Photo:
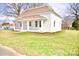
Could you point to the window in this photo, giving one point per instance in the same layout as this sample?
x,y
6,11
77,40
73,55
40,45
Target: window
x,y
36,23
30,23
54,23
39,23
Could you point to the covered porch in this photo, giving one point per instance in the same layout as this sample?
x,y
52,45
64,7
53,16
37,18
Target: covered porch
x,y
33,24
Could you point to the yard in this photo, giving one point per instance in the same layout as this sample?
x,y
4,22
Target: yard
x,y
43,44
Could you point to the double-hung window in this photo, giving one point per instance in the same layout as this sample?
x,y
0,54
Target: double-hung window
x,y
39,23
36,23
30,23
54,23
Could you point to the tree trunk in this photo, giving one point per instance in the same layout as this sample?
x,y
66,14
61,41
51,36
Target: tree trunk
x,y
76,17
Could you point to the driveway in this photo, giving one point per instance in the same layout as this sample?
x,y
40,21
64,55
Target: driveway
x,y
6,51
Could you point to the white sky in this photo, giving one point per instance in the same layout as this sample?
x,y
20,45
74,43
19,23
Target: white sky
x,y
2,17
60,8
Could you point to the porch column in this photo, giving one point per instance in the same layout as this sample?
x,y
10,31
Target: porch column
x,y
27,25
21,25
13,27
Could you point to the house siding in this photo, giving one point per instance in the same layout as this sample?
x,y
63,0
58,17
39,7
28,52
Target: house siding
x,y
46,23
58,22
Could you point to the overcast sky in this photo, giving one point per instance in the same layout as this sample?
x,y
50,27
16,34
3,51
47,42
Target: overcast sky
x,y
60,8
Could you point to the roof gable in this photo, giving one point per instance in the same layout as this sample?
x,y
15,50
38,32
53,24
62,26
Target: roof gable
x,y
38,10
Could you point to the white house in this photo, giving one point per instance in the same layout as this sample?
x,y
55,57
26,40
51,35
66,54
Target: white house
x,y
40,19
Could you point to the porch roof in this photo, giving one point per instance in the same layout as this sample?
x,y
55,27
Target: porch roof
x,y
29,18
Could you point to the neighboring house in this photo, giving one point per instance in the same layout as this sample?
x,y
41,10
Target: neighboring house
x,y
40,19
8,26
0,26
67,22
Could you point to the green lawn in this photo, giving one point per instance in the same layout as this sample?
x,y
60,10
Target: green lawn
x,y
48,44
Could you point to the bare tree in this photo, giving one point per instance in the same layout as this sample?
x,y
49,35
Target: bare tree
x,y
74,9
15,9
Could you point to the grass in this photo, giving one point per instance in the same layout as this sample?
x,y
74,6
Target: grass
x,y
65,43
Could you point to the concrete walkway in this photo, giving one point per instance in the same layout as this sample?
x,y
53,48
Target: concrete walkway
x,y
6,51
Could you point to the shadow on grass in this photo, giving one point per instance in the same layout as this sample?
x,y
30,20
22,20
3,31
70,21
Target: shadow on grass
x,y
41,33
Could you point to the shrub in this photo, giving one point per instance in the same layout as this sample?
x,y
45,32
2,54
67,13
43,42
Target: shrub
x,y
75,24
